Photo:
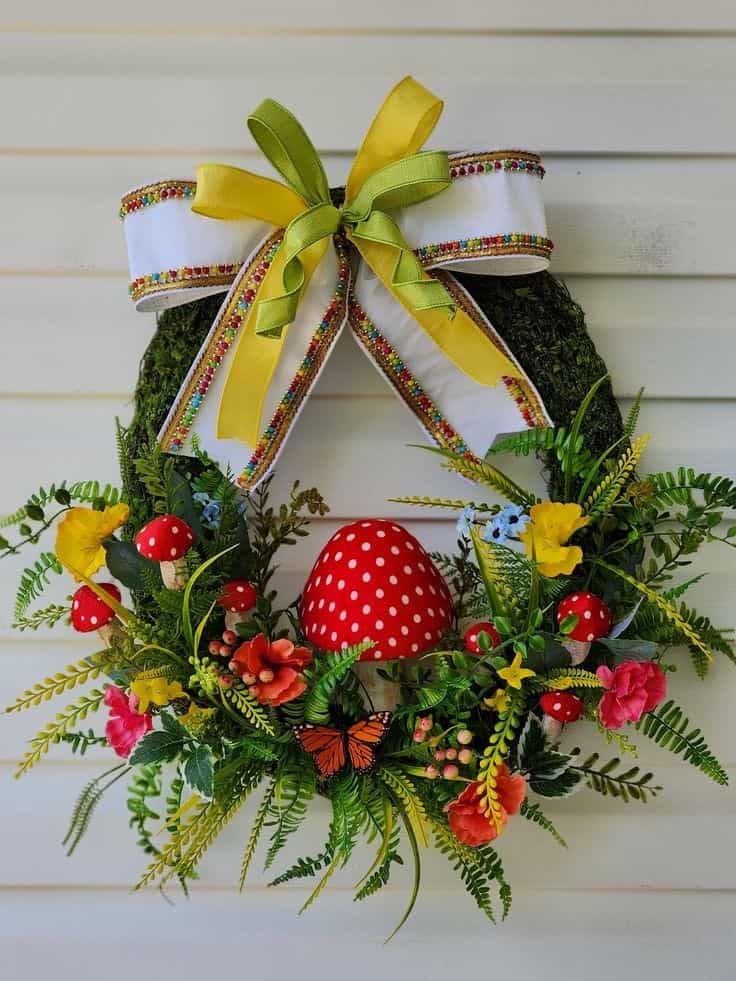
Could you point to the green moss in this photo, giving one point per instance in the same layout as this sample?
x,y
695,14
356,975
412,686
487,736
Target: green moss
x,y
545,329
536,315
180,332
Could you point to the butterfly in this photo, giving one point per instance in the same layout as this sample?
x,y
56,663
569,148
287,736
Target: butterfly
x,y
331,748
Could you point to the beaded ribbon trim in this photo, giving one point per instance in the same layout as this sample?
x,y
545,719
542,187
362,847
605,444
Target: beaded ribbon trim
x,y
407,386
186,277
142,197
222,337
521,389
468,164
275,433
516,243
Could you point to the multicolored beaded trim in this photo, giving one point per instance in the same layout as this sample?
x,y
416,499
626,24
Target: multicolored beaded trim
x,y
187,277
488,245
322,339
522,391
142,197
404,382
465,165
223,335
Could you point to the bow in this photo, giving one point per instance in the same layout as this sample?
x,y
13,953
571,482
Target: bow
x,y
262,342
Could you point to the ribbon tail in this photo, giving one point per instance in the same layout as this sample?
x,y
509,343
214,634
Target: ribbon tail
x,y
459,413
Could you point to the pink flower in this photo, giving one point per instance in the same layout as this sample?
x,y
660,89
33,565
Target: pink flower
x,y
126,724
633,688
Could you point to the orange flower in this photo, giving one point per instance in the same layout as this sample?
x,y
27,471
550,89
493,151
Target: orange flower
x,y
272,671
470,824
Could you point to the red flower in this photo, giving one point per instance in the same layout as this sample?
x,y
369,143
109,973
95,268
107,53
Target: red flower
x,y
126,724
634,687
468,822
273,671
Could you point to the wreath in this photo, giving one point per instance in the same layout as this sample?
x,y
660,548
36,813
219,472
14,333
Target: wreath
x,y
429,698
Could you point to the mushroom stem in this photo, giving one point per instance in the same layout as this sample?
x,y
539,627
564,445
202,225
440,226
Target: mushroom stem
x,y
232,619
110,632
175,573
552,728
385,695
577,649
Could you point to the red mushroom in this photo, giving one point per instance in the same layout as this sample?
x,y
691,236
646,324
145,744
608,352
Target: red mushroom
x,y
374,581
559,707
166,540
471,636
238,597
594,622
90,612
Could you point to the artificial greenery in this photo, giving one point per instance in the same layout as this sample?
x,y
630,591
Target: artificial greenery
x,y
208,740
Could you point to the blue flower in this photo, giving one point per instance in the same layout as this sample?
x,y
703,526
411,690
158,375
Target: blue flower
x,y
516,519
497,531
211,510
465,522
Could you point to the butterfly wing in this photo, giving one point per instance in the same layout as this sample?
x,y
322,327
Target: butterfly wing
x,y
363,737
326,747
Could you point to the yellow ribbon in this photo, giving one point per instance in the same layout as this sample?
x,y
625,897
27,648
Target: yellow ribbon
x,y
388,172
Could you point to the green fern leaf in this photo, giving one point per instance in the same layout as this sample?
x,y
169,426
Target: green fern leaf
x,y
34,580
668,727
533,813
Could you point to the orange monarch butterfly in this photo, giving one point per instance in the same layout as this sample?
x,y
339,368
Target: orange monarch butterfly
x,y
331,748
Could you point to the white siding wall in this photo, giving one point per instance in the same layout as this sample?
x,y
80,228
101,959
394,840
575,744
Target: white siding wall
x,y
632,105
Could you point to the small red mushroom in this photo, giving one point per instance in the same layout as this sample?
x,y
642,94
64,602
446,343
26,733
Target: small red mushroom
x,y
594,621
238,597
166,540
89,612
471,636
559,707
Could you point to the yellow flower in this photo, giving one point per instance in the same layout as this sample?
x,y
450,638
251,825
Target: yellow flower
x,y
498,702
158,691
80,535
514,674
552,525
196,718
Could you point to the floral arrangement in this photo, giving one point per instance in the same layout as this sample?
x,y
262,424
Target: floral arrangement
x,y
427,698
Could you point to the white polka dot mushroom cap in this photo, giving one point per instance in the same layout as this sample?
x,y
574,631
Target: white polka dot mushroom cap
x,y
374,581
164,539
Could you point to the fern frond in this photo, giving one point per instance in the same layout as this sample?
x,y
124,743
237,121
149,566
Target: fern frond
x,y
295,787
666,608
533,813
323,680
528,441
304,868
677,487
74,674
404,792
478,868
34,580
182,834
54,731
86,804
255,832
606,494
83,491
506,575
668,727
632,418
49,616
387,857
560,679
630,785
495,753
249,708
489,476
451,504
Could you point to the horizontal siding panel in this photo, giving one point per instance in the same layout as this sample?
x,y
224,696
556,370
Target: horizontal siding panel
x,y
607,936
652,333
649,840
642,87
620,216
230,16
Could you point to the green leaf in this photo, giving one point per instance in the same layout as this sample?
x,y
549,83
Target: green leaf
x,y
34,512
161,745
126,563
199,770
630,650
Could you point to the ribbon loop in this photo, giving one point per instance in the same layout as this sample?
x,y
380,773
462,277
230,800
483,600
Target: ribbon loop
x,y
286,145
